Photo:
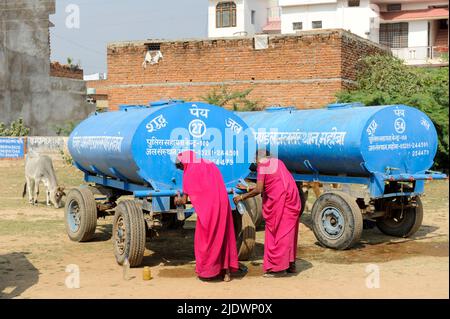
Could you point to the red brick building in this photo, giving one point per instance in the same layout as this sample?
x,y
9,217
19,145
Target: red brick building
x,y
305,70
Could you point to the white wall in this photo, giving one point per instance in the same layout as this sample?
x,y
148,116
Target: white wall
x,y
260,7
333,15
418,34
214,32
244,24
306,14
355,19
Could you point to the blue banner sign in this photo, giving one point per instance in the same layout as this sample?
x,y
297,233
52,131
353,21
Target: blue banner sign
x,y
12,147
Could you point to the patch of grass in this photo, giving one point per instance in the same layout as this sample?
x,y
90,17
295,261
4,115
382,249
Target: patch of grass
x,y
12,175
436,195
30,228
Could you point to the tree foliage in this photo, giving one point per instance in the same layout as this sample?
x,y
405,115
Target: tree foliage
x,y
66,129
17,128
238,100
384,80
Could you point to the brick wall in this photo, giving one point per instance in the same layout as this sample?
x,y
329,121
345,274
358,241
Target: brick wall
x,y
65,71
305,70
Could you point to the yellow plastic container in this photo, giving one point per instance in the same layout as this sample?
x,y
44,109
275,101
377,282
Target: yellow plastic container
x,y
147,274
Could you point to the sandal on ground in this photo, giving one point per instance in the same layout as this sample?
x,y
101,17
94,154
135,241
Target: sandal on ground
x,y
275,274
212,279
292,269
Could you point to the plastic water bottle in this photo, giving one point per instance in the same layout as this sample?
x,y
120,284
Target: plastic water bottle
x,y
241,207
126,269
180,213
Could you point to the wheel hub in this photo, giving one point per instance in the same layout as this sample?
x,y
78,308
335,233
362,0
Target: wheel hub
x,y
74,216
121,235
332,222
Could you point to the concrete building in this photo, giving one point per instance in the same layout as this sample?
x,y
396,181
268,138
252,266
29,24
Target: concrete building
x,y
27,88
415,30
240,17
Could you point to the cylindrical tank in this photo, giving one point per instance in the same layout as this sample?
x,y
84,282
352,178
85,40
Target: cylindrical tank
x,y
344,139
139,144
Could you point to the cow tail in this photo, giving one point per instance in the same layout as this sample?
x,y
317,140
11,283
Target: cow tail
x,y
24,190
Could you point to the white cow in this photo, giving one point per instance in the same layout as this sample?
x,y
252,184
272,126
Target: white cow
x,y
39,168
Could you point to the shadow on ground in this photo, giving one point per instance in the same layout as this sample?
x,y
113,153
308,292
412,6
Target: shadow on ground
x,y
103,233
17,274
375,246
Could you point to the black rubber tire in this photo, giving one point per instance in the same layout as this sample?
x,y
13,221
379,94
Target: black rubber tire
x,y
245,232
254,208
407,226
303,199
351,213
132,216
85,200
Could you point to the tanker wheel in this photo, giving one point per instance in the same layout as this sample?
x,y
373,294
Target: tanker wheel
x,y
254,208
400,223
129,233
245,232
80,214
337,220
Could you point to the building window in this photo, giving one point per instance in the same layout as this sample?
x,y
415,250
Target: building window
x,y
297,26
353,3
394,7
253,16
394,35
226,15
317,24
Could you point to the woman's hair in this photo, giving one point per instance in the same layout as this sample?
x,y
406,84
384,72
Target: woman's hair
x,y
262,152
178,164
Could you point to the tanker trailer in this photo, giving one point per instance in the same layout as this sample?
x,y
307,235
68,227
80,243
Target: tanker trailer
x,y
379,156
132,152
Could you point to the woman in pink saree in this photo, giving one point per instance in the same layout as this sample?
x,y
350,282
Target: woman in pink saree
x,y
281,211
214,241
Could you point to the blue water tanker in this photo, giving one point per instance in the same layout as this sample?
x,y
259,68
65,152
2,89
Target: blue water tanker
x,y
132,152
377,159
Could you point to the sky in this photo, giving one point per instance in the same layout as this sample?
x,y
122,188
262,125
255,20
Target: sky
x,y
100,22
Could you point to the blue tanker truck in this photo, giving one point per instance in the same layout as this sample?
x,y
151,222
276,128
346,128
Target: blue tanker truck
x,y
379,157
385,151
132,152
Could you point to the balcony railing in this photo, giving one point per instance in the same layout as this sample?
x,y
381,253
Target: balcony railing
x,y
430,54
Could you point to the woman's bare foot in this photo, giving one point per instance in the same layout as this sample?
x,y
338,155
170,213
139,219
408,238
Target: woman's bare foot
x,y
227,276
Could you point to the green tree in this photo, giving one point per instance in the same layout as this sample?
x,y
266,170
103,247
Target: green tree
x,y
238,100
384,80
17,128
65,129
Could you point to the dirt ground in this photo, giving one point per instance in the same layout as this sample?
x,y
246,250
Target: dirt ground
x,y
35,251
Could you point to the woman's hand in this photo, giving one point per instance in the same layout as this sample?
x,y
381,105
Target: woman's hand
x,y
237,199
247,188
180,200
